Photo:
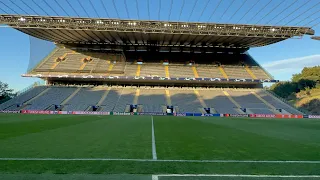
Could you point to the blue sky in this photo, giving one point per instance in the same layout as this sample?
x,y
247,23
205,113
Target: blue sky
x,y
281,59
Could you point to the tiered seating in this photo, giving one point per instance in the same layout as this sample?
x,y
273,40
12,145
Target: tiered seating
x,y
48,64
101,65
54,96
175,70
22,98
130,70
236,72
180,71
209,71
259,73
209,65
152,100
72,63
186,100
219,101
118,68
277,103
152,70
95,59
111,100
126,98
234,65
85,98
247,100
230,65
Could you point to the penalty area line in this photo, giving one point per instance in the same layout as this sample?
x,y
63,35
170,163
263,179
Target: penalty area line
x,y
159,160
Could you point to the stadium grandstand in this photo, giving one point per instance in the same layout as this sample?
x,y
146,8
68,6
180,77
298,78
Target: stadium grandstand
x,y
127,87
165,66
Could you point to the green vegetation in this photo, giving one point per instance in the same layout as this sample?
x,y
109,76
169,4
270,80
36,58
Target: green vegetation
x,y
312,73
5,92
303,91
180,138
309,100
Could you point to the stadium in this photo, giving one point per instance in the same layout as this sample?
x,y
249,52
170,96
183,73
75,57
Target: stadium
x,y
125,98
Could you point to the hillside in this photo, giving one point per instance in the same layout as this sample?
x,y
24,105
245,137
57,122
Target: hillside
x,y
303,91
309,100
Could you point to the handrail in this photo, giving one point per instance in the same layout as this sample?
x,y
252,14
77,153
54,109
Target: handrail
x,y
288,103
5,100
38,83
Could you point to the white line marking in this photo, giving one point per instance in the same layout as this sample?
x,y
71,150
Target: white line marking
x,y
154,151
159,160
155,177
236,175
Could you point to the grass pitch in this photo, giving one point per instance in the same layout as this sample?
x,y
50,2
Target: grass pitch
x,y
123,145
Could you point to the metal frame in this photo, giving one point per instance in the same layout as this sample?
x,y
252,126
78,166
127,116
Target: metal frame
x,y
124,47
315,37
45,22
82,25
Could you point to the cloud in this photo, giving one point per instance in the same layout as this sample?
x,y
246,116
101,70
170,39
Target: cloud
x,y
283,69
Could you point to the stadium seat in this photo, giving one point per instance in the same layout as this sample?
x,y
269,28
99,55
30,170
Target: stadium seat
x,y
118,99
122,64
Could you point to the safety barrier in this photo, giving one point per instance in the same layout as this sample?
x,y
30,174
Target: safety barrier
x,y
277,116
10,112
314,116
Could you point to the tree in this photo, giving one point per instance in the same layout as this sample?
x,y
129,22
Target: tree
x,y
307,79
5,92
306,83
312,73
285,89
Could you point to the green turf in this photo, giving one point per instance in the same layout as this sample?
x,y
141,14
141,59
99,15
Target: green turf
x,y
237,139
126,167
77,137
73,177
70,136
235,178
131,177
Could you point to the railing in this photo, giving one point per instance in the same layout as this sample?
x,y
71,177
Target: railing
x,y
303,111
4,100
38,83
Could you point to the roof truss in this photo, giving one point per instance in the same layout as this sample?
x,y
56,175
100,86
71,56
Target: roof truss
x,y
133,29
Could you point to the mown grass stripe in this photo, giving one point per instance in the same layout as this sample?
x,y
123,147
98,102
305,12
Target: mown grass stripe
x,y
160,160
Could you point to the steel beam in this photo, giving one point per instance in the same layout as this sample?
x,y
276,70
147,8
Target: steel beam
x,y
94,24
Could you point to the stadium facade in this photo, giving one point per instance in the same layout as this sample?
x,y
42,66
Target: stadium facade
x,y
113,65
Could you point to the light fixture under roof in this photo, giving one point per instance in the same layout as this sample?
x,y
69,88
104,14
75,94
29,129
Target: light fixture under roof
x,y
99,22
22,19
132,23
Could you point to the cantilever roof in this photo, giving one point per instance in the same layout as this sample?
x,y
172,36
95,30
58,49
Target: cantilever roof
x,y
67,30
